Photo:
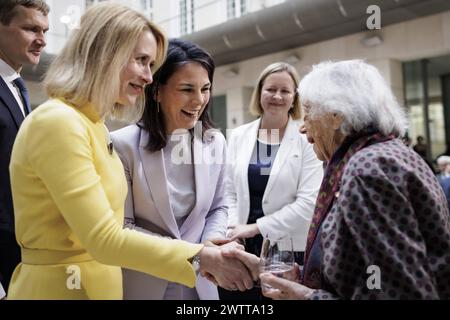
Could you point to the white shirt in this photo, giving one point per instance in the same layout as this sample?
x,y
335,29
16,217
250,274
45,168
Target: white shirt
x,y
8,75
180,175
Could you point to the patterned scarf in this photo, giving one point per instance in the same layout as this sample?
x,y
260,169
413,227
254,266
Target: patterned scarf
x,y
329,190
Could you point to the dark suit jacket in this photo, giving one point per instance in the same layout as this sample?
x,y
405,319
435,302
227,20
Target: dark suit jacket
x,y
10,119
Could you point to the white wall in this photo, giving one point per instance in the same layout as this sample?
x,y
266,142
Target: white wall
x,y
58,32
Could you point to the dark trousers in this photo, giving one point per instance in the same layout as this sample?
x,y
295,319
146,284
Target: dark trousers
x,y
9,257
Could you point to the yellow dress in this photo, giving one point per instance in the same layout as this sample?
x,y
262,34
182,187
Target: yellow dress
x,y
69,193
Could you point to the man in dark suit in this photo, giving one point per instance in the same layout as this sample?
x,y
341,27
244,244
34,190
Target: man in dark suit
x,y
23,24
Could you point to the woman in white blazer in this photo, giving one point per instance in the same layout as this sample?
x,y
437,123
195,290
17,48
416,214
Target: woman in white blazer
x,y
175,172
274,175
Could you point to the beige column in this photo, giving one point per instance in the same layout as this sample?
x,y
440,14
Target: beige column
x,y
238,100
391,70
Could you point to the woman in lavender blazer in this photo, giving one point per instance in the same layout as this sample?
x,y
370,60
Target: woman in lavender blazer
x,y
175,172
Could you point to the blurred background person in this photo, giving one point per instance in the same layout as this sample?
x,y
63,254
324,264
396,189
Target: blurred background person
x,y
173,190
23,24
421,148
443,163
381,216
443,176
406,140
274,174
67,181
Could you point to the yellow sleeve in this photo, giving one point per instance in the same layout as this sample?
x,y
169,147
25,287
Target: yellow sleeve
x,y
59,149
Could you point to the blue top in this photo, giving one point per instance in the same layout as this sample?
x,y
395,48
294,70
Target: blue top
x,y
259,169
445,184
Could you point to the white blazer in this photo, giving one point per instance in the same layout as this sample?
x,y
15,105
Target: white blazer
x,y
292,188
148,210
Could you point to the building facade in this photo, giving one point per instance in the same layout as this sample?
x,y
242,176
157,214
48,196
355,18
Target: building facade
x,y
411,48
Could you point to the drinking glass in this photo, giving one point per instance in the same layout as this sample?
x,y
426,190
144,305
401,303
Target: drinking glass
x,y
277,257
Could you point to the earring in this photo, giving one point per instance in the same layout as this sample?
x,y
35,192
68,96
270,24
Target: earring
x,y
157,106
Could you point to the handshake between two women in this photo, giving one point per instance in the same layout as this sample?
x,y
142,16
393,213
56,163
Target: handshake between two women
x,y
227,265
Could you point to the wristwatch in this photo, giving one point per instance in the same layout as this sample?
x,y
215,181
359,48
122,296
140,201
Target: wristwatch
x,y
196,263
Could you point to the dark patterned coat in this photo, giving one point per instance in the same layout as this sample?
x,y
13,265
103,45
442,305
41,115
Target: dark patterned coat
x,y
390,213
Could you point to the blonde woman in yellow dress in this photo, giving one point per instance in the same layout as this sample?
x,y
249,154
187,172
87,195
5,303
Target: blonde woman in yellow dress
x,y
68,183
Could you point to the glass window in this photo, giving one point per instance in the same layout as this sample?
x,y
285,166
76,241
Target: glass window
x,y
436,131
236,8
183,17
192,16
187,16
243,7
145,5
231,9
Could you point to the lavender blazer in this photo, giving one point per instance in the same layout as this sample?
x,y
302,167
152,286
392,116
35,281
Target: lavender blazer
x,y
148,210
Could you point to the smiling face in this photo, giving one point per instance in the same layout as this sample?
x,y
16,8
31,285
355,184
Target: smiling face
x,y
323,133
22,40
137,72
277,94
184,97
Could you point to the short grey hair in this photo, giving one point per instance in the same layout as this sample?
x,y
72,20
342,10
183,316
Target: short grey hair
x,y
443,160
355,90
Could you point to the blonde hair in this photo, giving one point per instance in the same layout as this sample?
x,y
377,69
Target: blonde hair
x,y
88,68
255,102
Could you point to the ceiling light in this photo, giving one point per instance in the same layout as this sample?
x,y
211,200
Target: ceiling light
x,y
231,73
372,41
65,19
292,59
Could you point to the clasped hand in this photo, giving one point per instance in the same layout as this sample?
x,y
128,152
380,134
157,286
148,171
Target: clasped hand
x,y
226,264
242,231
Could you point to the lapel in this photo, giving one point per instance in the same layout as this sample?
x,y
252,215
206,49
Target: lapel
x,y
202,175
10,103
244,152
155,174
286,147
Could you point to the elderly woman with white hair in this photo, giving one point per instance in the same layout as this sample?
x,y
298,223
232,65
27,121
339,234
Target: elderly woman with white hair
x,y
381,227
443,163
443,177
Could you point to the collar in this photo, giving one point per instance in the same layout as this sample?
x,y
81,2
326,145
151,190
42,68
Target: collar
x,y
88,110
7,73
